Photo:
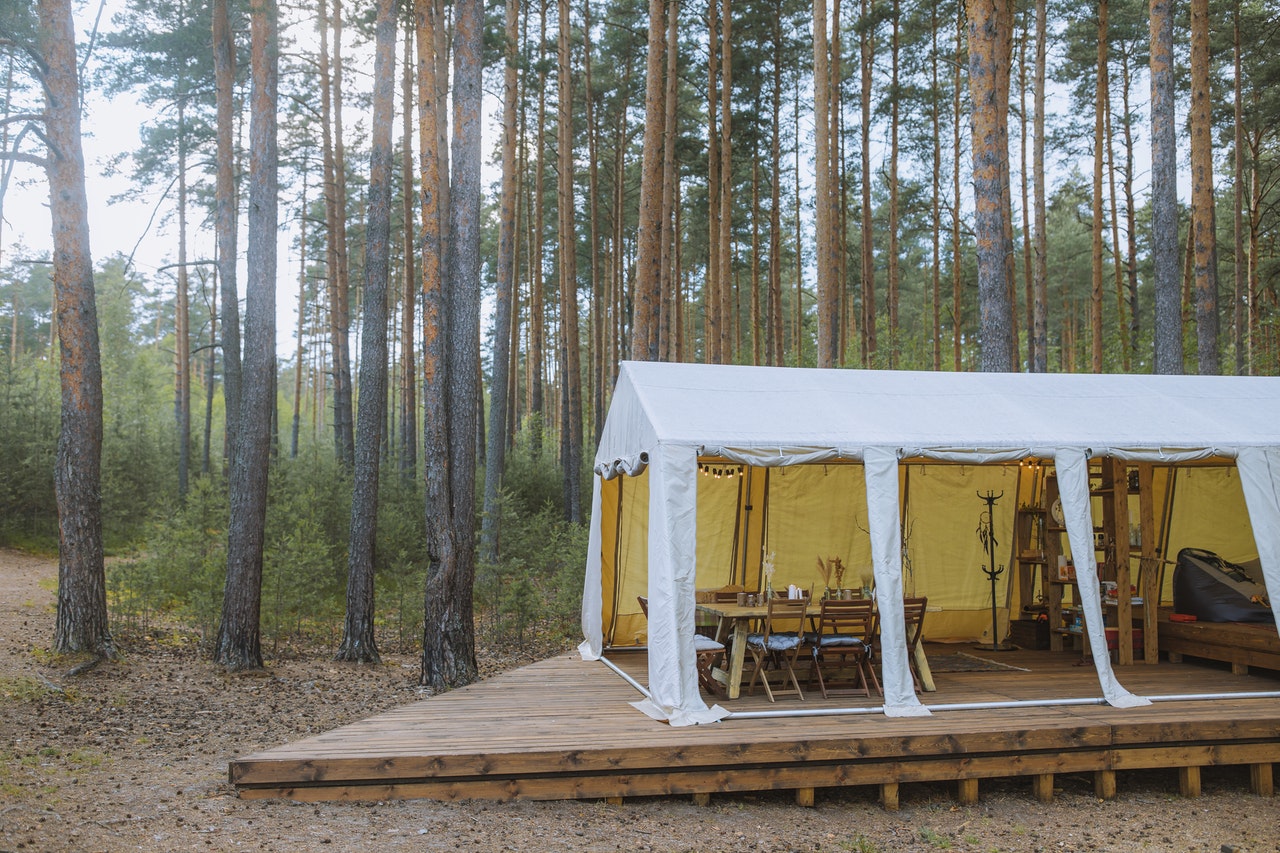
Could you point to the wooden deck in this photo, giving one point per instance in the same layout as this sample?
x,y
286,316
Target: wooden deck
x,y
563,729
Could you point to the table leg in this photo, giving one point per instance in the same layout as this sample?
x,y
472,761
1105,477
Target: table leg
x,y
922,668
736,657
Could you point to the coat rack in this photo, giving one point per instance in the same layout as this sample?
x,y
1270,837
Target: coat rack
x,y
987,535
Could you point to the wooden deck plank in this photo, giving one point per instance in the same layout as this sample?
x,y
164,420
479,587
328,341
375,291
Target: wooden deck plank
x,y
564,728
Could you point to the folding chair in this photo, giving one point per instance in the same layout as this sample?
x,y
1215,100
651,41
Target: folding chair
x,y
846,634
774,648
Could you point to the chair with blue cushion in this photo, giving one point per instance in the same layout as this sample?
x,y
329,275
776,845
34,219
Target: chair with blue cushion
x,y
777,646
843,645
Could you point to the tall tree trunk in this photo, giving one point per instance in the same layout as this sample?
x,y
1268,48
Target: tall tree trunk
x,y
409,296
1164,192
648,295
211,370
1024,180
182,319
776,330
81,624
724,252
957,269
537,298
1131,218
225,217
1240,298
597,280
828,345
894,105
1117,252
302,319
1040,267
1202,200
238,645
359,643
711,292
1099,158
448,653
440,545
866,44
343,398
497,451
935,112
570,359
668,285
990,45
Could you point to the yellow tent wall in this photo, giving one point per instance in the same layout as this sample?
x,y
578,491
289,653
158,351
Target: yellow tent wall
x,y
804,512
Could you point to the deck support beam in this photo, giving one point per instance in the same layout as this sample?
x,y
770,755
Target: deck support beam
x,y
702,799
889,796
804,797
1042,787
1261,781
1104,784
1189,781
967,792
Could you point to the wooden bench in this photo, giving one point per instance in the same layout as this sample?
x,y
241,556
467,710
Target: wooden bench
x,y
1241,644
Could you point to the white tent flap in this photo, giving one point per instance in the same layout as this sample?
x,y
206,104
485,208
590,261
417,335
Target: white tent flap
x,y
1073,484
886,557
1260,479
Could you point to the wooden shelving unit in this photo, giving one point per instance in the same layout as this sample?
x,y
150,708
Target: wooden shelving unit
x,y
1039,542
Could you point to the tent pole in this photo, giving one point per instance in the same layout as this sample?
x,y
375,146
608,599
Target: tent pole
x,y
986,706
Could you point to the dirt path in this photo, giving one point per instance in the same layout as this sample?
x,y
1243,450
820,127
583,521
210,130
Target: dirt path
x,y
133,756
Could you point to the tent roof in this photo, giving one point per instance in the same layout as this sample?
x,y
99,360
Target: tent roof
x,y
803,409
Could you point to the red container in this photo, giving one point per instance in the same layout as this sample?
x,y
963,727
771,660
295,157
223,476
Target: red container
x,y
1114,633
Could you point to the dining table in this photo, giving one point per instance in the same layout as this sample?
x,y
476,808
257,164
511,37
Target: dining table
x,y
734,621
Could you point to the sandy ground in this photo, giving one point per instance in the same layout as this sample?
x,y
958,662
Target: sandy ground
x,y
132,755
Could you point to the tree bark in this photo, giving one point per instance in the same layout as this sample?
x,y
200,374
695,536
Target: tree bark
x,y
724,241
1240,299
238,645
990,45
448,649
1040,267
570,358
648,295
957,269
776,331
81,624
504,294
894,104
1099,159
828,344
866,43
225,216
1164,193
409,298
359,643
668,285
343,398
300,352
1202,199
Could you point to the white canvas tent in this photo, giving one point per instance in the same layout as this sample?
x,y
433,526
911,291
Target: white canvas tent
x,y
663,417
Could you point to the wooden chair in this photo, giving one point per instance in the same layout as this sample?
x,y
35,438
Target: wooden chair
x,y
845,638
708,652
913,610
778,645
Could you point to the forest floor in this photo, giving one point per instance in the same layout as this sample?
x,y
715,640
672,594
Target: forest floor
x,y
132,755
